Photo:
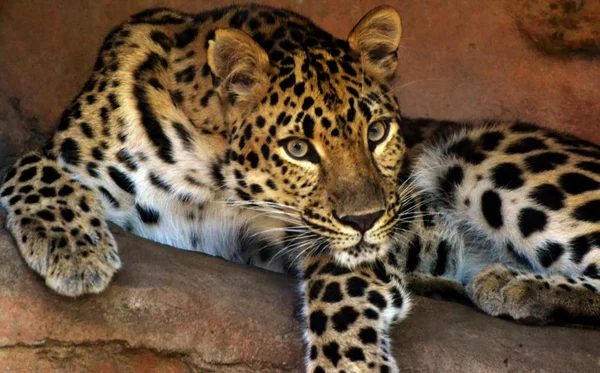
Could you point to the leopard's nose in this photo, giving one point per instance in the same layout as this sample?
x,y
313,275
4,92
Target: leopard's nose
x,y
361,223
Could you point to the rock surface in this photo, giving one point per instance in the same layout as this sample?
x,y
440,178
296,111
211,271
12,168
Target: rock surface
x,y
560,26
175,311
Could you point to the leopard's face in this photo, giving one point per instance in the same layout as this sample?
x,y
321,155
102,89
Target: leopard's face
x,y
315,132
331,152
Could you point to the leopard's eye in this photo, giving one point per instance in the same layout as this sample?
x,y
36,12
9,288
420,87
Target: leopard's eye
x,y
297,148
377,132
300,149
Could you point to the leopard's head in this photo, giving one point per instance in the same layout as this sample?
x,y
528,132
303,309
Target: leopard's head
x,y
316,128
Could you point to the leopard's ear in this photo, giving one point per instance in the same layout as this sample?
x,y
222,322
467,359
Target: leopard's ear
x,y
377,37
240,63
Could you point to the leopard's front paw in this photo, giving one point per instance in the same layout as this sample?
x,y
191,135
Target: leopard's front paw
x,y
74,259
83,264
59,227
62,235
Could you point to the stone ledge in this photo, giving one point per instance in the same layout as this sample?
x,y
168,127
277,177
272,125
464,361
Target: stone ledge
x,y
175,311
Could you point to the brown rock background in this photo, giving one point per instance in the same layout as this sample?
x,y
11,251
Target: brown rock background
x,y
560,25
173,311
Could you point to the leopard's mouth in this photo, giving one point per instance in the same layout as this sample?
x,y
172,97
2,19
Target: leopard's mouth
x,y
350,254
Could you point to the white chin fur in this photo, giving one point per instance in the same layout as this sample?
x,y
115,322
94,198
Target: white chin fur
x,y
368,255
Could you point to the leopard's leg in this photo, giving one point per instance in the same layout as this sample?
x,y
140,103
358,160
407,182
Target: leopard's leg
x,y
59,227
348,313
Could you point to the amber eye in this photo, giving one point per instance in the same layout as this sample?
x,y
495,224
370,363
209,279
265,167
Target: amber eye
x,y
297,148
377,132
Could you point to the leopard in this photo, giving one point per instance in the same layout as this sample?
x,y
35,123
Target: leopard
x,y
249,133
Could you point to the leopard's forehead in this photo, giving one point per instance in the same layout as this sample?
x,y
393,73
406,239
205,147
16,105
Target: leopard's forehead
x,y
295,34
312,62
331,110
318,95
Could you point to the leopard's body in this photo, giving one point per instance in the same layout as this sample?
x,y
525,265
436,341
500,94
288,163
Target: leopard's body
x,y
282,146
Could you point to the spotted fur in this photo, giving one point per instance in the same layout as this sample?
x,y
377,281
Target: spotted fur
x,y
188,133
514,218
